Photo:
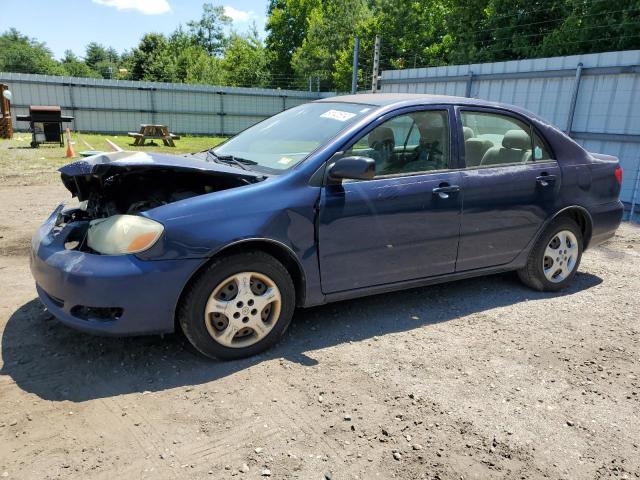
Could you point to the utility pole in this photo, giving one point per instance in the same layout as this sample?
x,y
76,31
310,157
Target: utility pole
x,y
110,66
376,65
354,70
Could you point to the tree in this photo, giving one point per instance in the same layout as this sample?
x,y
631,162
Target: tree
x,y
245,62
192,62
497,30
410,31
286,29
195,65
180,40
125,65
588,27
314,38
112,55
94,54
74,67
151,60
493,30
21,54
104,61
208,32
331,25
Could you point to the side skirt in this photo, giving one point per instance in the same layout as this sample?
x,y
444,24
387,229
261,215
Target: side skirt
x,y
420,282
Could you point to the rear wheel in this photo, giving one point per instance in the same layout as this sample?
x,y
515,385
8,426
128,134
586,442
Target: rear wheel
x,y
554,260
238,306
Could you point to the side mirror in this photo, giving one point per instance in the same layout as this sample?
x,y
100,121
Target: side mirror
x,y
353,168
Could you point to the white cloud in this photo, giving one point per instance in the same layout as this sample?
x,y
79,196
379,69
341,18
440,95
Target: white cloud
x,y
148,7
239,15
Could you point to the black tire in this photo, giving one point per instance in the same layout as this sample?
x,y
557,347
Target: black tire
x,y
192,307
533,275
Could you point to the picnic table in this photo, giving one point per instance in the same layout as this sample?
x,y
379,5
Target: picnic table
x,y
149,132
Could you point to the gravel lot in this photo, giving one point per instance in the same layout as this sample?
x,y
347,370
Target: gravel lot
x,y
475,379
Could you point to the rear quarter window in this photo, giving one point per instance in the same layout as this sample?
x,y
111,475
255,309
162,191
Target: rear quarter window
x,y
541,150
495,138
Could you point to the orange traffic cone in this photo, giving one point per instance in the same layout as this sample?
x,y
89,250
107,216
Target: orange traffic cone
x,y
70,152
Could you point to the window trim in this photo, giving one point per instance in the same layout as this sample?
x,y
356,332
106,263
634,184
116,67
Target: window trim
x,y
459,109
454,162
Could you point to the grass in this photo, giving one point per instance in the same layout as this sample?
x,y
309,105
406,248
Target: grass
x,y
22,165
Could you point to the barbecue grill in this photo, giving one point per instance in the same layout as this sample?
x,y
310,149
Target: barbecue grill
x,y
45,124
6,129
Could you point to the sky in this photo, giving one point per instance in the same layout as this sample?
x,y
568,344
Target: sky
x,y
120,24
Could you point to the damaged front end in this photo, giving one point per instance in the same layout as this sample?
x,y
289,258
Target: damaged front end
x,y
116,188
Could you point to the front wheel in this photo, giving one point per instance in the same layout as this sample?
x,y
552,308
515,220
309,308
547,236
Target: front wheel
x,y
238,306
554,260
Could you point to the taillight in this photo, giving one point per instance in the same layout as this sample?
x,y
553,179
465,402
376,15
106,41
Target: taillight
x,y
619,175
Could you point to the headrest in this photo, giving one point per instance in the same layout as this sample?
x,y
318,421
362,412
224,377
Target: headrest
x,y
477,141
381,135
431,134
517,139
468,133
429,119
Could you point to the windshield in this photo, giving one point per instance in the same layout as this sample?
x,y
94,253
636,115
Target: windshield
x,y
285,139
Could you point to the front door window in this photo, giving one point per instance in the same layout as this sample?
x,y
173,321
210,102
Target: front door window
x,y
412,143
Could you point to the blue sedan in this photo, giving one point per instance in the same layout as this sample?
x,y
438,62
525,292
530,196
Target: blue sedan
x,y
335,199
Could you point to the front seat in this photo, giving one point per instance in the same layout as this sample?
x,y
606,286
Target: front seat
x,y
383,142
431,153
516,148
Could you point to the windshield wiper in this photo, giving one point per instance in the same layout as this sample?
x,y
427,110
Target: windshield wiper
x,y
231,159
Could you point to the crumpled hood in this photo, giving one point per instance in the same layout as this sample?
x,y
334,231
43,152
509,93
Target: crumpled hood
x,y
78,174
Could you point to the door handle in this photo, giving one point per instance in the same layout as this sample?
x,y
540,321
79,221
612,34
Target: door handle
x,y
443,191
545,180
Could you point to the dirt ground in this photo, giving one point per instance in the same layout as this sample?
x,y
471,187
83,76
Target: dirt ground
x,y
475,379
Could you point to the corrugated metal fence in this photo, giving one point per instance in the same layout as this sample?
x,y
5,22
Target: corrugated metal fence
x,y
595,98
116,106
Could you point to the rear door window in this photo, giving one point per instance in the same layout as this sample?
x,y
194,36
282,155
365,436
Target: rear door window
x,y
493,139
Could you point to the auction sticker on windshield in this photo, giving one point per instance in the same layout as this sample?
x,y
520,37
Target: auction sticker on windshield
x,y
339,115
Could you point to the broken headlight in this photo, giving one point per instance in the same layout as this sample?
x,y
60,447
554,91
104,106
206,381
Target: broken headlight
x,y
121,234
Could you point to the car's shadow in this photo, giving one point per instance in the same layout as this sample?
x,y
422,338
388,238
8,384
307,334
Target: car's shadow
x,y
56,363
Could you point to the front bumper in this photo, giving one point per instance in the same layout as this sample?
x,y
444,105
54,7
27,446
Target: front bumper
x,y
140,295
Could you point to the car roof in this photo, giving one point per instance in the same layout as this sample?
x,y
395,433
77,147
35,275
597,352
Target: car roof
x,y
385,99
411,99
